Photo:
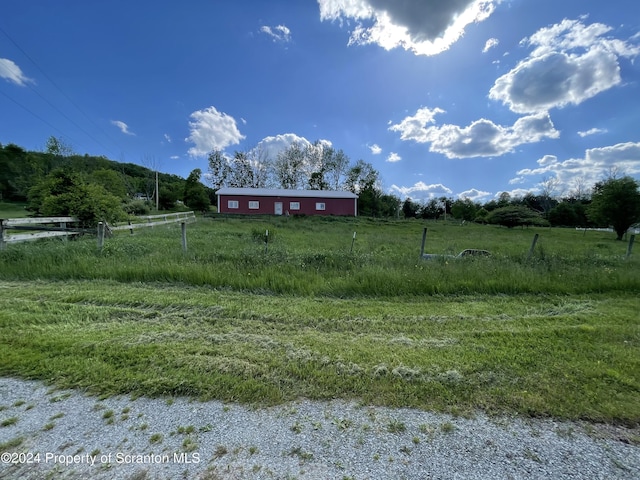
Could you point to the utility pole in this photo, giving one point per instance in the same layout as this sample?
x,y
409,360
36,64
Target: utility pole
x,y
157,193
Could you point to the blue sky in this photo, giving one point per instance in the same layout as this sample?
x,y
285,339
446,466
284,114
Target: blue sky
x,y
466,98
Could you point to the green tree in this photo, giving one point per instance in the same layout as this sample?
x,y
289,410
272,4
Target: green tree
x,y
464,209
514,216
616,202
410,208
195,195
64,193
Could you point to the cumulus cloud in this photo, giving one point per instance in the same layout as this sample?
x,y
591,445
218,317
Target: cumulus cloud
x,y
474,195
375,149
279,33
273,145
211,130
571,62
482,138
491,43
394,157
421,191
12,73
596,165
592,131
423,27
124,128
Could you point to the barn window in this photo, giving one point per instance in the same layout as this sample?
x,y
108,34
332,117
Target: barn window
x,y
320,206
254,205
232,203
294,205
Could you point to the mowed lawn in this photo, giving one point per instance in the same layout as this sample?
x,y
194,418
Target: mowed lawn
x,y
556,333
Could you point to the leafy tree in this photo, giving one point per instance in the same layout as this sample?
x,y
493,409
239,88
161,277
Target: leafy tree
x,y
410,208
110,180
195,195
514,216
616,202
288,167
432,209
64,193
464,209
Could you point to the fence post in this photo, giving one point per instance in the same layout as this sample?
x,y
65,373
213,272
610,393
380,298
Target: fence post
x,y
352,241
100,235
424,239
130,228
533,245
183,226
2,242
63,225
266,241
630,246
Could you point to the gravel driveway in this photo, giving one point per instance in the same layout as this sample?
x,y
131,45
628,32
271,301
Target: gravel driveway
x,y
66,434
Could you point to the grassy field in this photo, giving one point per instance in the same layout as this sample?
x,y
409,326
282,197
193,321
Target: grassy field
x,y
556,334
12,210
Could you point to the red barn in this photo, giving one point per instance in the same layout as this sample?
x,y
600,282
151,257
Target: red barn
x,y
282,202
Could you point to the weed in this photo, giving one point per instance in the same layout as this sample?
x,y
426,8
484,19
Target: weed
x,y
155,438
57,416
406,450
11,444
447,427
48,426
9,421
253,450
301,454
220,451
186,430
396,426
19,403
189,445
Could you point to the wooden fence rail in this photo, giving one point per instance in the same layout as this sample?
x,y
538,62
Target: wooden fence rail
x,y
41,227
47,227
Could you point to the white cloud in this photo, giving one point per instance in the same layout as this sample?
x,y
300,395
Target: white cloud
x,y
278,33
375,149
596,165
482,138
474,195
423,27
421,191
211,130
517,181
174,157
570,63
12,73
491,43
124,128
394,157
167,137
276,144
592,131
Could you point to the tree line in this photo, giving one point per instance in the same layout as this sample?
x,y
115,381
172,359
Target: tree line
x,y
314,166
613,202
58,182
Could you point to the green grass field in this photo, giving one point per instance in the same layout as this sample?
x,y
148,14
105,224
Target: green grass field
x,y
557,334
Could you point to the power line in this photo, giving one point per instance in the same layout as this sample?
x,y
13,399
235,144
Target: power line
x,y
64,95
34,114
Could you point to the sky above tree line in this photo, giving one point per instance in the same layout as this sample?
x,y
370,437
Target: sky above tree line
x,y
463,99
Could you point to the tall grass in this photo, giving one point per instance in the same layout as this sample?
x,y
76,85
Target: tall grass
x,y
311,256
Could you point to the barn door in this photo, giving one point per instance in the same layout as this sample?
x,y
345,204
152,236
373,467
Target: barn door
x,y
278,208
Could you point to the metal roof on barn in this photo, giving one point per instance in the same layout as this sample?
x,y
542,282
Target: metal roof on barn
x,y
279,192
